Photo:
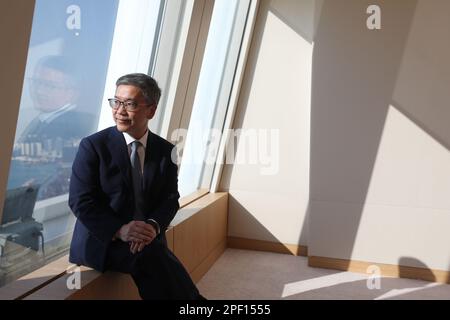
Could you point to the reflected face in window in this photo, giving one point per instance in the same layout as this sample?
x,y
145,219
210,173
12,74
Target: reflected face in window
x,y
132,122
51,89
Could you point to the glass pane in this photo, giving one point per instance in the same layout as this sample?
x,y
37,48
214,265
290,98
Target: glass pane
x,y
201,143
132,47
70,55
67,61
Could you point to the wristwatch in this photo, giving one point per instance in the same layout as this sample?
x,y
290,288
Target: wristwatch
x,y
155,225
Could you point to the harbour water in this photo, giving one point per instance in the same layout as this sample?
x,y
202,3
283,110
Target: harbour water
x,y
22,172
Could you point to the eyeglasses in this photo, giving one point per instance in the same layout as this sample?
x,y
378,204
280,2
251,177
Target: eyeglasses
x,y
47,85
128,105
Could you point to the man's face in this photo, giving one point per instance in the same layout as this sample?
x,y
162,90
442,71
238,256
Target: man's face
x,y
132,122
51,89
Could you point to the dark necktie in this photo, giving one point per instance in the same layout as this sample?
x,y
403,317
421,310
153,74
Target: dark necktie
x,y
136,174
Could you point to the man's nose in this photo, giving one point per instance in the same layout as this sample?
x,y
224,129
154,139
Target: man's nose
x,y
121,109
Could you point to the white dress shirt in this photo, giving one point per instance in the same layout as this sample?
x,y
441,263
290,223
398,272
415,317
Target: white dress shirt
x,y
141,150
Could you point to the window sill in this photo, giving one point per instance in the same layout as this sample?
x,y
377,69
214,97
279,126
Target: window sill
x,y
51,208
35,280
52,274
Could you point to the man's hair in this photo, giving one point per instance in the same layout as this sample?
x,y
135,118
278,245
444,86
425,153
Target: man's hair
x,y
149,87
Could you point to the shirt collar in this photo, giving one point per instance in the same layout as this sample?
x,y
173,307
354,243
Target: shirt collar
x,y
129,139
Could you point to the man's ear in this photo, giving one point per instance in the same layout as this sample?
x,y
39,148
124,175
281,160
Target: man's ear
x,y
151,112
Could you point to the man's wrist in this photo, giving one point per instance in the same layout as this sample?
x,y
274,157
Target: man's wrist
x,y
155,225
116,235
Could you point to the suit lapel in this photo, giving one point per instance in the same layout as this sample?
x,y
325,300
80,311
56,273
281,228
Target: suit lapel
x,y
119,151
152,159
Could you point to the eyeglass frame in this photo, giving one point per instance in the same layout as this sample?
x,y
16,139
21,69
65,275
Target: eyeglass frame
x,y
36,83
134,105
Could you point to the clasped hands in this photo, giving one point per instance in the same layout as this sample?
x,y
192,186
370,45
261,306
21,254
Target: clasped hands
x,y
138,234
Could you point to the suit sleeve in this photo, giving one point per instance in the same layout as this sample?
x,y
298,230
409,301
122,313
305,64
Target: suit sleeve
x,y
86,198
165,213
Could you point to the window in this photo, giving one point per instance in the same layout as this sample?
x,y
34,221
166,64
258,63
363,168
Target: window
x,y
199,145
67,61
78,48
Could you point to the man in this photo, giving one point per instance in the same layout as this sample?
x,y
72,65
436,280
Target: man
x,y
55,132
54,92
124,194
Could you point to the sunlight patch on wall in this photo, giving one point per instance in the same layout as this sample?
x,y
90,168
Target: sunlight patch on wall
x,y
412,169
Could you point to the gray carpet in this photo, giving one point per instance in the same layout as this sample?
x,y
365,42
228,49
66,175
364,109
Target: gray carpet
x,y
250,275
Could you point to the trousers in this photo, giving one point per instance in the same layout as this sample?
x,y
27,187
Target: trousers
x,y
156,271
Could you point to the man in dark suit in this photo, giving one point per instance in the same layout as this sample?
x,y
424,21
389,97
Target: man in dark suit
x,y
124,193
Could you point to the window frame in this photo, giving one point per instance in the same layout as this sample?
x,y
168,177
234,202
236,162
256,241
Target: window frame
x,y
181,81
22,17
19,17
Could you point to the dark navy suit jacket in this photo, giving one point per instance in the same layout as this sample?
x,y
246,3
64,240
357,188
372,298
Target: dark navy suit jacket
x,y
101,192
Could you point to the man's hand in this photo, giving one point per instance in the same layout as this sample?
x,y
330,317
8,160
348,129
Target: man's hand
x,y
136,231
139,246
136,247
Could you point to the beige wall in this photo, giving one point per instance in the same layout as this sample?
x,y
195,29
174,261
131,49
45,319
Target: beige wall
x,y
375,168
380,174
15,29
276,94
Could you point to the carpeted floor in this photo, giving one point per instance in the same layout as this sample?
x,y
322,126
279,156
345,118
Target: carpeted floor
x,y
249,275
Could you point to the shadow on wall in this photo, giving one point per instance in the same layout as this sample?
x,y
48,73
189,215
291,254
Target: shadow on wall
x,y
408,269
357,77
300,16
421,91
356,85
355,72
297,20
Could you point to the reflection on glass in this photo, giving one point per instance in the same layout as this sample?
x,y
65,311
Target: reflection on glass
x,y
50,140
65,76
